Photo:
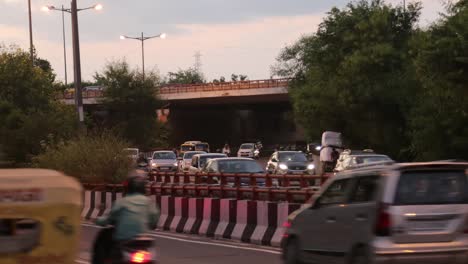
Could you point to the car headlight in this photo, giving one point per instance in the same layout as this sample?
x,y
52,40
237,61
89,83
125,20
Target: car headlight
x,y
283,166
310,166
153,164
176,164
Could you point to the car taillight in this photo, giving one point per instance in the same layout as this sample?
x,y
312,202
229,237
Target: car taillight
x,y
286,226
140,257
383,222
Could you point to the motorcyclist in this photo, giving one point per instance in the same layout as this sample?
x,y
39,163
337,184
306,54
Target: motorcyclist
x,y
131,216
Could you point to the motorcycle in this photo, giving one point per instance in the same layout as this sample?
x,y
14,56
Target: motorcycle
x,y
141,249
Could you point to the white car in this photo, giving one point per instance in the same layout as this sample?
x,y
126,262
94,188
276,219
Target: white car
x,y
401,213
186,160
246,150
164,161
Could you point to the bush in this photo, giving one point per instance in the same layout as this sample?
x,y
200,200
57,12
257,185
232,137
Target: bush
x,y
90,158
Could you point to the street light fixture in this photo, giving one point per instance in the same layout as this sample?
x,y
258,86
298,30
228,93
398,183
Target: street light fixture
x,y
142,39
73,10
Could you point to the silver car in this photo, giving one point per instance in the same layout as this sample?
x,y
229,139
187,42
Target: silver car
x,y
403,213
186,160
163,161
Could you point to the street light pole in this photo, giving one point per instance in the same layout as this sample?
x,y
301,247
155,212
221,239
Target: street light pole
x,y
31,45
77,62
143,54
64,46
142,40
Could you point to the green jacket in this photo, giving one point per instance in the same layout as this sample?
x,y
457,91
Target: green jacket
x,y
132,215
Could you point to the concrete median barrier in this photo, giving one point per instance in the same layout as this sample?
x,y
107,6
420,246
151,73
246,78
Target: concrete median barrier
x,y
257,222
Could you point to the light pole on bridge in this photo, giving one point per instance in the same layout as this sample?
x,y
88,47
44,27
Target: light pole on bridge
x,y
142,40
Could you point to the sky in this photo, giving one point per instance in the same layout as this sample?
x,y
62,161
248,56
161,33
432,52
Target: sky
x,y
232,36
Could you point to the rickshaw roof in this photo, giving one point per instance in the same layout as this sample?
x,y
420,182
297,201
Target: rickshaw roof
x,y
56,186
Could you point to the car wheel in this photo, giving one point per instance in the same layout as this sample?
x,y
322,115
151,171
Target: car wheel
x,y
292,252
360,256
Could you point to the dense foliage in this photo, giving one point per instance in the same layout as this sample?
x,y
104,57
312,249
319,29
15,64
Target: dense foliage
x,y
28,109
370,73
131,101
94,158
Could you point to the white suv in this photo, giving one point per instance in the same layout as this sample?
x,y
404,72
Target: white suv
x,y
403,213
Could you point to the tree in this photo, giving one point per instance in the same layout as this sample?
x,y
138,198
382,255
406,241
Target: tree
x,y
188,76
238,77
354,75
439,121
131,101
28,109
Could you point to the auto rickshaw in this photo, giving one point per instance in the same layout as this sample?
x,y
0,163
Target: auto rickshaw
x,y
39,216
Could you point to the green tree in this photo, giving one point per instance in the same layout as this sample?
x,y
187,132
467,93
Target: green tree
x,y
131,101
439,120
188,76
28,109
354,75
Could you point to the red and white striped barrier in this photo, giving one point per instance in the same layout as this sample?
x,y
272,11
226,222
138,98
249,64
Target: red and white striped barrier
x,y
258,222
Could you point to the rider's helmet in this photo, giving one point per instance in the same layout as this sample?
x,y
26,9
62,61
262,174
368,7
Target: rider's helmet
x,y
136,184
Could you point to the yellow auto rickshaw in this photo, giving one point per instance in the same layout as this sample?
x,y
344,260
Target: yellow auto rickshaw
x,y
39,217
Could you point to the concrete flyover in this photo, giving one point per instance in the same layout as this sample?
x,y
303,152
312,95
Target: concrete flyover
x,y
230,92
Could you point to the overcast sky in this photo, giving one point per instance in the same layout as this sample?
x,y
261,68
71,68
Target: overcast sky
x,y
233,36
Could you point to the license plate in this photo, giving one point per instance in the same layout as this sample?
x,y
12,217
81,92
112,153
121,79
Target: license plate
x,y
164,168
427,226
297,172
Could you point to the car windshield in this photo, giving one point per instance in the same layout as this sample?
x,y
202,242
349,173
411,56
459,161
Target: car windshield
x,y
164,155
247,146
292,156
189,155
432,187
371,159
201,146
204,159
131,152
239,166
186,148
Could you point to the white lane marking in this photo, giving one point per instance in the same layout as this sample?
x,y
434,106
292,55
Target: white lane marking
x,y
155,234
81,261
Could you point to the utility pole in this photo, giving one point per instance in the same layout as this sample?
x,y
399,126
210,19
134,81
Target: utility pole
x,y
143,54
64,46
31,45
77,62
198,63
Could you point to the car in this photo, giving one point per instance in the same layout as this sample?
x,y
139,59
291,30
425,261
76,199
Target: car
x,y
235,165
163,161
289,162
95,88
400,213
199,161
186,160
132,153
248,150
350,159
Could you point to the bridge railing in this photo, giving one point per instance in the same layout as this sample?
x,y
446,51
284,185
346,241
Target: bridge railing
x,y
291,188
240,186
190,88
224,86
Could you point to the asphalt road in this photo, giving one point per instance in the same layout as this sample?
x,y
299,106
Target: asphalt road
x,y
187,249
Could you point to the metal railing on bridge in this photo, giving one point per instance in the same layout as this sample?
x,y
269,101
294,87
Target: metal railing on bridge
x,y
202,87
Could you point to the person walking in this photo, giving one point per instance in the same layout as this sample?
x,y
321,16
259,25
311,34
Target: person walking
x,y
226,150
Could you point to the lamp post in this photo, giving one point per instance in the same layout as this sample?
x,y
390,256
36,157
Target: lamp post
x,y
31,46
142,40
73,10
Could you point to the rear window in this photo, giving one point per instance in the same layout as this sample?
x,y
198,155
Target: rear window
x,y
432,187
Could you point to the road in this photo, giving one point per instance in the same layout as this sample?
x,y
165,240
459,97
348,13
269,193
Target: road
x,y
187,249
